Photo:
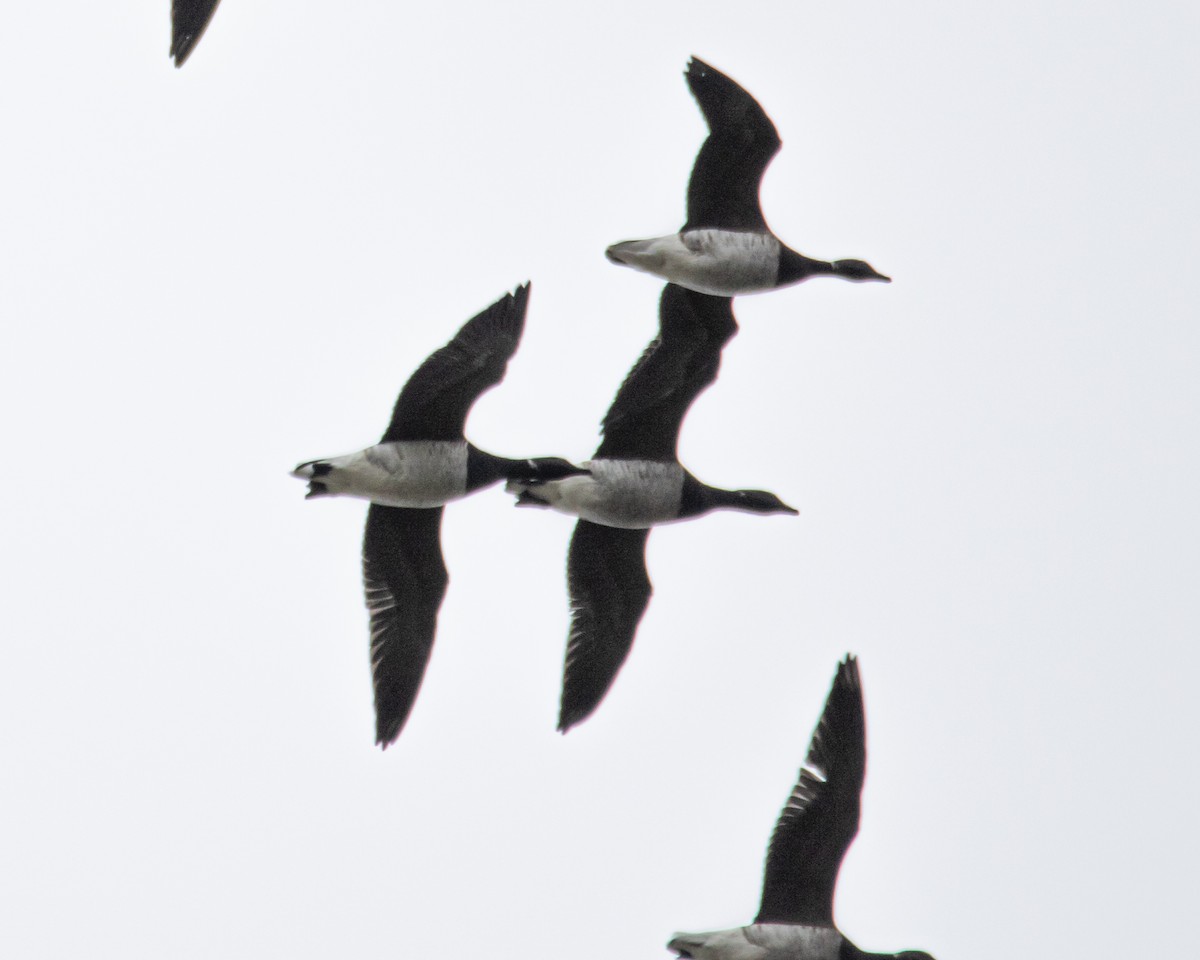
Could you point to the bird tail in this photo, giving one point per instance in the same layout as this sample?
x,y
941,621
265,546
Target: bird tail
x,y
688,945
526,497
311,471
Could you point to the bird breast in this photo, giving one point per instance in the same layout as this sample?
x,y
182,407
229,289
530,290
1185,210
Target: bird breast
x,y
406,473
722,263
762,941
633,494
795,940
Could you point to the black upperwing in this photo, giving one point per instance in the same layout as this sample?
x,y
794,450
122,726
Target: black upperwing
x,y
405,580
820,818
645,417
437,398
723,190
189,20
610,589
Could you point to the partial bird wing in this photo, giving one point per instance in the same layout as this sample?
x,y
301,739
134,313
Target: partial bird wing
x,y
821,816
723,191
189,20
609,587
437,398
644,419
405,580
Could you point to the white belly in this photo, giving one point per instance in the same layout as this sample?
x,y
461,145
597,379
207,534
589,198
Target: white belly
x,y
723,263
407,473
633,494
762,941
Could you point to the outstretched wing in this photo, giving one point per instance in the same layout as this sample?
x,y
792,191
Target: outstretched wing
x,y
644,419
723,191
821,816
609,588
434,403
405,580
189,20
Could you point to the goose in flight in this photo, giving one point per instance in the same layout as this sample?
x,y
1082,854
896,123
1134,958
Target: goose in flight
x,y
726,248
422,463
633,482
818,822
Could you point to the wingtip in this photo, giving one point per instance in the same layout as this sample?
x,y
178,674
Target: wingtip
x,y
520,301
182,46
848,674
387,734
698,70
570,716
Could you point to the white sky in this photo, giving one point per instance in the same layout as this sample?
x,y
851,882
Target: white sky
x,y
212,274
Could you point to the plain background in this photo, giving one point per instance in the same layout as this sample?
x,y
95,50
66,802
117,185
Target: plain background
x,y
214,273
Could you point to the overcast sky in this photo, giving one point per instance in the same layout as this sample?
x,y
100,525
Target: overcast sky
x,y
212,274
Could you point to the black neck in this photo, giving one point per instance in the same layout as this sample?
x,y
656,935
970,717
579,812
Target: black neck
x,y
849,951
484,469
794,267
697,498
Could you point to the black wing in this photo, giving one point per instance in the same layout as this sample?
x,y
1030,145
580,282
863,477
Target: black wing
x,y
189,20
606,577
723,191
405,580
821,816
437,398
644,419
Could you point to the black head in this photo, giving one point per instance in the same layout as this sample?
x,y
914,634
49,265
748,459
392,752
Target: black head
x,y
913,955
758,501
857,270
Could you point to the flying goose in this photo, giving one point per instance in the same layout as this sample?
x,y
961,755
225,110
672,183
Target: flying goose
x,y
189,20
633,482
816,826
422,463
726,248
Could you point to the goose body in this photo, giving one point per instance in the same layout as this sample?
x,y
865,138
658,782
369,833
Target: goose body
x,y
632,483
761,941
630,494
404,473
812,834
722,263
419,473
725,248
422,463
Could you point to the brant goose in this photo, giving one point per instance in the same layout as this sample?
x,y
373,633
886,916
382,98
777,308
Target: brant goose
x,y
422,462
189,20
820,818
634,481
726,248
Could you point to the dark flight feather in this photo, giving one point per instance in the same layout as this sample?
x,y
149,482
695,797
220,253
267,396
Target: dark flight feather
x,y
405,580
437,398
821,816
645,418
609,588
723,190
189,20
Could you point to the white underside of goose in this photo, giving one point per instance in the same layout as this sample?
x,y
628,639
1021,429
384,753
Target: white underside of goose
x,y
633,494
404,473
723,263
761,941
